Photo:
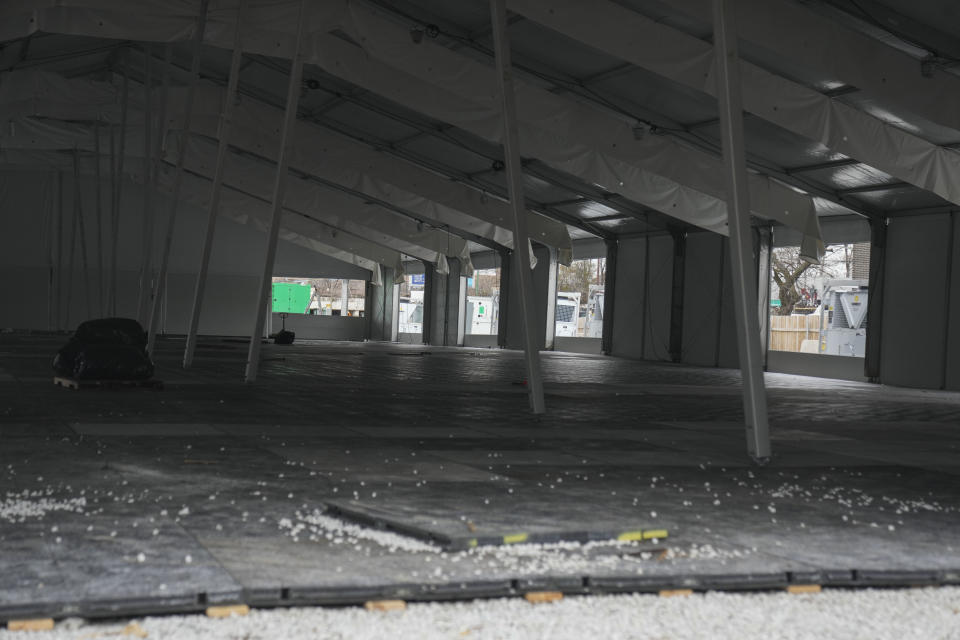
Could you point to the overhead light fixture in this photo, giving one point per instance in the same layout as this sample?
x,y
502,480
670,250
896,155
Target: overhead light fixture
x,y
416,34
497,165
927,66
419,225
432,31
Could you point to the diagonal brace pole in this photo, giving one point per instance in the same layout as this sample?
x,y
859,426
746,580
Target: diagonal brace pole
x,y
223,136
521,244
279,189
738,216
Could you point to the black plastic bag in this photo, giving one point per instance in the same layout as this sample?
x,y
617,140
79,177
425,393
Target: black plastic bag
x,y
284,337
105,349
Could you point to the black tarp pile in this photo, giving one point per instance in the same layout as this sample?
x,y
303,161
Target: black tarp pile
x,y
105,349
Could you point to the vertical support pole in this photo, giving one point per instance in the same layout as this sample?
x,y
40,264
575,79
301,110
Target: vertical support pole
x,y
645,318
279,188
878,270
99,201
59,279
609,296
344,297
146,242
78,205
111,275
738,215
721,281
948,288
118,188
223,139
503,307
159,286
677,291
764,244
521,244
550,329
429,290
72,250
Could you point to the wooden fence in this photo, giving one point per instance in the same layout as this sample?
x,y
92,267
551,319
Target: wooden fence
x,y
787,333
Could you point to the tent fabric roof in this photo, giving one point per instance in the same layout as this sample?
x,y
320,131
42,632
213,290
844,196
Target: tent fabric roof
x,y
846,116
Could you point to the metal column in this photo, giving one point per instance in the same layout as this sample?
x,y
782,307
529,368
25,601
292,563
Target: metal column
x,y
503,305
117,185
878,269
146,239
609,296
677,291
738,215
279,189
521,243
159,286
764,250
223,135
429,286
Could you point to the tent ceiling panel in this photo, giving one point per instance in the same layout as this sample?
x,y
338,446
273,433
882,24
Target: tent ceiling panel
x,y
591,210
899,199
335,209
369,122
849,177
673,101
455,156
530,40
778,100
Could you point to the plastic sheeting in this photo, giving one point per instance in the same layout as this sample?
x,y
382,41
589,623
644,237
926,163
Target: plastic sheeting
x,y
840,53
379,175
338,211
683,58
657,171
661,173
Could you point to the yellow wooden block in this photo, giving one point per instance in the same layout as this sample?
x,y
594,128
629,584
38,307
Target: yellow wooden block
x,y
226,611
537,597
135,630
36,624
385,605
651,534
515,538
671,593
804,588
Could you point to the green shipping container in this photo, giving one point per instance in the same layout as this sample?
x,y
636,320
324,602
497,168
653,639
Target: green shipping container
x,y
289,297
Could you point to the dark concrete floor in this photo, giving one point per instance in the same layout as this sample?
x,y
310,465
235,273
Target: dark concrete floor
x,y
127,501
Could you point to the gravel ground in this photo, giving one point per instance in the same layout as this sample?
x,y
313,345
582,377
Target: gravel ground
x,y
928,614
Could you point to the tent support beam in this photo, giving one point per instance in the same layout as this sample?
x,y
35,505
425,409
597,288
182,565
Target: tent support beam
x,y
609,296
99,201
279,186
146,239
118,186
498,11
738,215
160,283
226,121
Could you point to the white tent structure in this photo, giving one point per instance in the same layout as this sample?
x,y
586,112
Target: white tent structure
x,y
377,135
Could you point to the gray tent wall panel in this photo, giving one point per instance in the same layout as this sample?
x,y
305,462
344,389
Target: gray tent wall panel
x,y
629,293
708,301
541,293
952,373
25,272
632,311
913,343
659,289
701,299
445,309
